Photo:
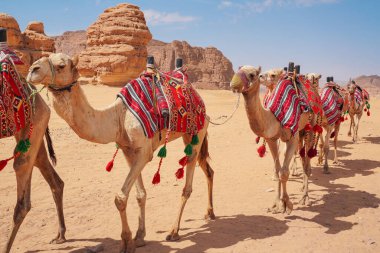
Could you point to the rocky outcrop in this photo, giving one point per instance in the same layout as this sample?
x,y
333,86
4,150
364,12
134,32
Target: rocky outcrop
x,y
71,43
30,45
116,47
207,67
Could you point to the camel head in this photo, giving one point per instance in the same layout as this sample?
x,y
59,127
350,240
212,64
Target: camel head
x,y
271,77
246,78
351,87
56,71
314,79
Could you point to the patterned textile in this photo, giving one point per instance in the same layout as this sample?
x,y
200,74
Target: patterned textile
x,y
365,95
286,105
175,104
15,109
332,104
358,96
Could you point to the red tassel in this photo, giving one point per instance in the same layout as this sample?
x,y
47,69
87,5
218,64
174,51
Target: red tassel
x,y
365,109
109,166
346,118
183,161
341,119
307,127
257,140
368,113
312,152
156,178
261,150
317,129
3,163
332,135
180,172
302,152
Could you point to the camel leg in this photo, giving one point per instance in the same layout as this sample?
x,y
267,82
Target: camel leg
x,y
141,200
187,190
326,149
296,155
56,185
336,130
23,167
291,146
209,173
306,164
277,205
353,127
351,123
137,159
357,127
321,145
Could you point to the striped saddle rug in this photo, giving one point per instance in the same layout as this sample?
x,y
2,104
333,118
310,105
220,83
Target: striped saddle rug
x,y
15,107
287,103
165,102
332,103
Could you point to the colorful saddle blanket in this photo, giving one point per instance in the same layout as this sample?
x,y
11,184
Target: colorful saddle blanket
x,y
15,107
332,103
165,102
286,105
358,96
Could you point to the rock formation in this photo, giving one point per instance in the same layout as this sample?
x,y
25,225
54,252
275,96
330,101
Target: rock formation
x,y
208,68
116,47
71,43
30,45
370,83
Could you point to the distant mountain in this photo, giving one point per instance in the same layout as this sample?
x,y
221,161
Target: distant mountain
x,y
370,83
71,42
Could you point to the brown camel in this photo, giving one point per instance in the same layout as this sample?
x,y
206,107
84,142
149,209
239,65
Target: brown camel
x,y
23,167
331,131
264,124
116,123
355,110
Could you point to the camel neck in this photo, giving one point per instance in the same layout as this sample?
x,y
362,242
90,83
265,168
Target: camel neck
x,y
91,124
260,119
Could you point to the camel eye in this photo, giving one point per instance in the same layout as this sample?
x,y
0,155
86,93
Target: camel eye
x,y
273,76
61,66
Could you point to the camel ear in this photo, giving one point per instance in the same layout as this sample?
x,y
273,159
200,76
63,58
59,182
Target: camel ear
x,y
75,60
259,70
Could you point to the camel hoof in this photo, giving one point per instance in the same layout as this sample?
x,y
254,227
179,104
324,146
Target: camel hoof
x,y
172,237
288,207
326,172
58,241
127,247
277,207
140,242
305,201
210,215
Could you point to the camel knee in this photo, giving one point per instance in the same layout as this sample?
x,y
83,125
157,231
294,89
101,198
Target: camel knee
x,y
141,198
186,193
21,210
121,202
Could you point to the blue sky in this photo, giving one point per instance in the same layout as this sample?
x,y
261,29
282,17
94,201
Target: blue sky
x,y
332,37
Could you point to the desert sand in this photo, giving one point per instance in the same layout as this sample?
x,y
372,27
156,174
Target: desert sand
x,y
344,216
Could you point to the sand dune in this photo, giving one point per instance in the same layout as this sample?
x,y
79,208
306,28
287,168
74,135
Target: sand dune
x,y
344,216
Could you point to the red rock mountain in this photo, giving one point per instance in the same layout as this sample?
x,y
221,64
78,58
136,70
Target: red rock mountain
x,y
370,83
116,47
71,43
30,45
208,68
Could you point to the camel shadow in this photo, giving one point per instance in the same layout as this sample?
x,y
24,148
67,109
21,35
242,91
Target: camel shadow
x,y
229,230
225,231
337,203
372,139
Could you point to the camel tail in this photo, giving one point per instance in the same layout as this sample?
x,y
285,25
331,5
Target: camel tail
x,y
50,147
204,155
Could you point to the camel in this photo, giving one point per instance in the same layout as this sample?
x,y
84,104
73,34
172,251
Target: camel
x,y
355,109
116,123
23,166
331,131
264,124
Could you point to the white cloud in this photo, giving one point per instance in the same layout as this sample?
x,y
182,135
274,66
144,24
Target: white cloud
x,y
257,6
154,17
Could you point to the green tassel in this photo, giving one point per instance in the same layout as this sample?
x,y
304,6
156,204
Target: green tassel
x,y
188,150
23,146
368,106
195,140
162,152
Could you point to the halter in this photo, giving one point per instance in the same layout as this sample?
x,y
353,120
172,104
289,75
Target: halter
x,y
52,85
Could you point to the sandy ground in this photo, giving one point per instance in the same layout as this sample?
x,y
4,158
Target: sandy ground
x,y
344,216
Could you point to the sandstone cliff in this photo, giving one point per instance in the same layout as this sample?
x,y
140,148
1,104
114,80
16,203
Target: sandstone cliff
x,y
116,47
30,45
208,68
71,43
